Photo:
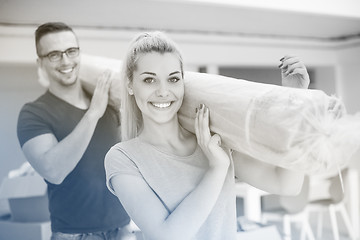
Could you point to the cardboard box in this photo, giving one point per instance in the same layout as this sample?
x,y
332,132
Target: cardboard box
x,y
4,208
27,196
10,230
267,232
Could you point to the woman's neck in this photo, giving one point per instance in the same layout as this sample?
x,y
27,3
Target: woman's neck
x,y
169,136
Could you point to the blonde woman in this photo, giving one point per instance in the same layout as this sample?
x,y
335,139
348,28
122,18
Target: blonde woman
x,y
175,184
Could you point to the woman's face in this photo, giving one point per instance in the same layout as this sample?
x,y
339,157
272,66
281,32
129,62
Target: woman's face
x,y
158,86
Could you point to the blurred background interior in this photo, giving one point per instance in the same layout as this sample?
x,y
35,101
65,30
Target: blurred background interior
x,y
243,39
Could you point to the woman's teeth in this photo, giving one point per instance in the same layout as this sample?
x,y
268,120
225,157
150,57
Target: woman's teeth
x,y
161,105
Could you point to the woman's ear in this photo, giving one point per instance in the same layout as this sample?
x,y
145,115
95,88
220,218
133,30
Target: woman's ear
x,y
129,88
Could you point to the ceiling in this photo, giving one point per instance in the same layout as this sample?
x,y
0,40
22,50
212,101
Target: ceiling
x,y
183,16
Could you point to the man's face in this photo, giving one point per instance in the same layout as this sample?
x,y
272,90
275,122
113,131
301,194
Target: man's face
x,y
63,72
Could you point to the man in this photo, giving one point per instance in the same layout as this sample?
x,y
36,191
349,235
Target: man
x,y
65,135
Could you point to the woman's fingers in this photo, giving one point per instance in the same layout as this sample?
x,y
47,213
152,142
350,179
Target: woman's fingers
x,y
291,63
300,71
197,131
294,72
202,129
292,67
289,59
210,145
215,139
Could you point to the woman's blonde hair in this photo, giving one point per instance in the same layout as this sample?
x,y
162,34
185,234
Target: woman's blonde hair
x,y
131,118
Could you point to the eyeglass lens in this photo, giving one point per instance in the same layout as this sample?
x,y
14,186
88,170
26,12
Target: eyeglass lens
x,y
57,55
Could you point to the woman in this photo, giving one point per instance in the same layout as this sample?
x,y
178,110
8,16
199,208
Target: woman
x,y
172,183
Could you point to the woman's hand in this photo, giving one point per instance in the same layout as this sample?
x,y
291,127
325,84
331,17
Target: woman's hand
x,y
336,108
209,144
294,73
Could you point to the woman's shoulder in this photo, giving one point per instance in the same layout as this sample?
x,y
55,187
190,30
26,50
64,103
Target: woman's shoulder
x,y
126,146
122,158
122,152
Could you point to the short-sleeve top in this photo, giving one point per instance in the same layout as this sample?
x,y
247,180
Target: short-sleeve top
x,y
172,178
82,202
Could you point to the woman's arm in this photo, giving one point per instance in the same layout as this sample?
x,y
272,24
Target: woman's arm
x,y
149,213
152,217
267,177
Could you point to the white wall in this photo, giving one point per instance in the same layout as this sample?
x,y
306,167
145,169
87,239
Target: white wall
x,y
348,68
18,84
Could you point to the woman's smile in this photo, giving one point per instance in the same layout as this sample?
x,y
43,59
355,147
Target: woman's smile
x,y
161,105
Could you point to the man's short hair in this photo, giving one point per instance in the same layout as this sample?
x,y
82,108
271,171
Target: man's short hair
x,y
50,27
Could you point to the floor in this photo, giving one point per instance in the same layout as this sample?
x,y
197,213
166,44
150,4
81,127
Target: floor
x,y
326,235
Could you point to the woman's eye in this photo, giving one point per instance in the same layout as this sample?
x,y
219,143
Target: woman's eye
x,y
149,80
174,79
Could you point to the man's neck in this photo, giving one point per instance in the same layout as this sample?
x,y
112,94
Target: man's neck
x,y
73,95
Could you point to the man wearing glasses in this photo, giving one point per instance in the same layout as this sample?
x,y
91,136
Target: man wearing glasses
x,y
65,134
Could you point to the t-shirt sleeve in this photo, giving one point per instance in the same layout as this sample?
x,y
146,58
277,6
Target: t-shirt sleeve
x,y
30,125
117,161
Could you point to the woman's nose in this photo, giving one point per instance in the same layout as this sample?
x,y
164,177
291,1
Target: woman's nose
x,y
162,90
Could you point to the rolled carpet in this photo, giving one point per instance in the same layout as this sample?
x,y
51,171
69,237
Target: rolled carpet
x,y
299,129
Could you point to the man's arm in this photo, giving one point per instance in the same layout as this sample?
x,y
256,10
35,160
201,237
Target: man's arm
x,y
54,160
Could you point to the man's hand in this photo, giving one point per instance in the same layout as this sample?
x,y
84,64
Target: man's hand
x,y
294,73
100,97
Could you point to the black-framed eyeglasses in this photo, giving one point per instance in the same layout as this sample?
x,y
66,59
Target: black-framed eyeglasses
x,y
55,56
